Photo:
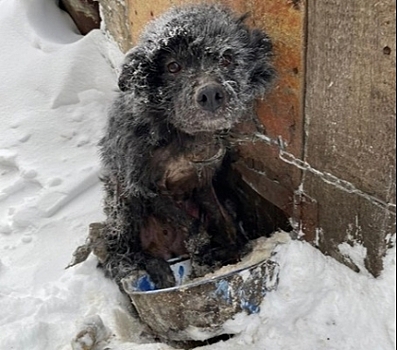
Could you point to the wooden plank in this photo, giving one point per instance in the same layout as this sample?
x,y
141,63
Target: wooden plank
x,y
350,124
350,97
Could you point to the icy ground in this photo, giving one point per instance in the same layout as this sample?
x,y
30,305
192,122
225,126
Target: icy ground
x,y
55,86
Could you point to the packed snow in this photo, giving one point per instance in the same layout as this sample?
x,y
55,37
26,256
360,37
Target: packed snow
x,y
56,86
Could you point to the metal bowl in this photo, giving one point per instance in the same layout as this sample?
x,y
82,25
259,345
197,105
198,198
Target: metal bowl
x,y
198,310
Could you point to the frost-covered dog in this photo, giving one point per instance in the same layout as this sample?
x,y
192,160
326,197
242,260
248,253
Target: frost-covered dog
x,y
194,74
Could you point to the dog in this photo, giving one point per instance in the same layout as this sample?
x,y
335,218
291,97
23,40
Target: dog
x,y
194,74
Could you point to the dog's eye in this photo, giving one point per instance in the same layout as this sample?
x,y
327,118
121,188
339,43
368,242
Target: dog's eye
x,y
226,60
174,67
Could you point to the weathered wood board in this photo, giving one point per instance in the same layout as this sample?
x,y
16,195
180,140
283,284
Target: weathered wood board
x,y
350,95
350,122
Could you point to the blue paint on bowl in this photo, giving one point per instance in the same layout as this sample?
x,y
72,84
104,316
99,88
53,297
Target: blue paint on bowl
x,y
222,290
145,284
181,272
249,307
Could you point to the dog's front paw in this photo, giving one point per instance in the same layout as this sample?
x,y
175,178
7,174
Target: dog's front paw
x,y
138,281
160,273
142,281
152,274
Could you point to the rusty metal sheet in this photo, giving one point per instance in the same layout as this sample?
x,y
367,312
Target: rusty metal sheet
x,y
281,112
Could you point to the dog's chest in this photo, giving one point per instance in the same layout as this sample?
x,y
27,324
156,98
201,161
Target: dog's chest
x,y
184,167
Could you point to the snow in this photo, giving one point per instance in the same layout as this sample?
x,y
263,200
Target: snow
x,y
55,88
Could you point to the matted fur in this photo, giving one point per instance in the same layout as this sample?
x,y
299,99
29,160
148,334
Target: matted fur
x,y
161,152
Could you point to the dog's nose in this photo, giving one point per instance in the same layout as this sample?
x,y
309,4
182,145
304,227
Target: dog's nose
x,y
210,97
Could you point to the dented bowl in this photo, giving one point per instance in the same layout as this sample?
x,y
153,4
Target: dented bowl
x,y
198,310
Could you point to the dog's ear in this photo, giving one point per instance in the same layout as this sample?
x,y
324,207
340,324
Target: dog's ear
x,y
243,17
133,63
262,72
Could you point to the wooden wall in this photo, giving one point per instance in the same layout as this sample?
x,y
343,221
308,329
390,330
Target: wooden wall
x,y
327,154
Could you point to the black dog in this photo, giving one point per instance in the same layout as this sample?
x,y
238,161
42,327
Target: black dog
x,y
194,74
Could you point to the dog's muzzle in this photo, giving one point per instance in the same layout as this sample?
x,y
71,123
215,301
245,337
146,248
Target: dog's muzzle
x,y
211,97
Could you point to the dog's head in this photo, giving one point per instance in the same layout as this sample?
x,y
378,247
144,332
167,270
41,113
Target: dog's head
x,y
199,67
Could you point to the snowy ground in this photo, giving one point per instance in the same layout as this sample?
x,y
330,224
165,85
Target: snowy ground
x,y
54,91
